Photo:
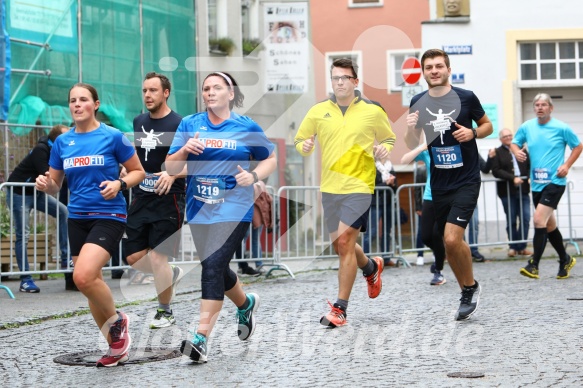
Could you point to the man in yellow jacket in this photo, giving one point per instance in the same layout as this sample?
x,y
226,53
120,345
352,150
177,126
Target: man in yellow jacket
x,y
347,127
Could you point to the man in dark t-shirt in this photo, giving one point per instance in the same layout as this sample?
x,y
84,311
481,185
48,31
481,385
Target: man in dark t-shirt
x,y
445,114
156,212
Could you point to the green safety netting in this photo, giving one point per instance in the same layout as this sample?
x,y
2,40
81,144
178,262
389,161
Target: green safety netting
x,y
109,44
33,110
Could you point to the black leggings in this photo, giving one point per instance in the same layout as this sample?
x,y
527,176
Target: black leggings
x,y
430,234
216,245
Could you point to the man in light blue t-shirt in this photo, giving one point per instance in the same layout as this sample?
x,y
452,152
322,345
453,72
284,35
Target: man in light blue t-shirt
x,y
547,139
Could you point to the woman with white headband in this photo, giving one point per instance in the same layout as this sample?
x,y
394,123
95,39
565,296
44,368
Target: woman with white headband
x,y
217,145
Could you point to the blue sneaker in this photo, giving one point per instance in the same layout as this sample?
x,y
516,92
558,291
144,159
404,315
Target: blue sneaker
x,y
438,279
245,320
29,286
196,349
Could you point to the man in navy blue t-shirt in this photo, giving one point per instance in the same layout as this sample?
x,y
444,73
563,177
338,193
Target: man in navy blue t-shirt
x,y
445,114
156,212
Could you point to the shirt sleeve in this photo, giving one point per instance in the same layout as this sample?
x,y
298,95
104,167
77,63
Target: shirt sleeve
x,y
307,129
180,138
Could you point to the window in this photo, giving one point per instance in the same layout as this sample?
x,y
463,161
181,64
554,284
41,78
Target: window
x,y
356,56
395,61
364,3
249,19
551,61
217,19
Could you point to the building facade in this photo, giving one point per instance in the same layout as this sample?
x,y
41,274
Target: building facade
x,y
507,52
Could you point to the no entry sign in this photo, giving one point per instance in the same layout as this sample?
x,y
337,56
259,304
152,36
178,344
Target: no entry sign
x,y
411,71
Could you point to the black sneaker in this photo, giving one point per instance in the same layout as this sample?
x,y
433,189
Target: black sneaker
x,y
530,271
478,257
195,349
250,271
245,320
469,302
564,269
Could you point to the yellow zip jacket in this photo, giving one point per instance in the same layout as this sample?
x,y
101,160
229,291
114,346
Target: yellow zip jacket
x,y
347,143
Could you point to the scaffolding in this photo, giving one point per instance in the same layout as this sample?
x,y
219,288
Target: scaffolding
x,y
110,44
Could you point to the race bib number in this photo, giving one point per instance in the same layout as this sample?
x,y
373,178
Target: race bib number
x,y
209,190
542,175
447,157
148,183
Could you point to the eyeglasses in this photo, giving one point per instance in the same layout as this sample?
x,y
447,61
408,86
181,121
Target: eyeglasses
x,y
504,137
344,78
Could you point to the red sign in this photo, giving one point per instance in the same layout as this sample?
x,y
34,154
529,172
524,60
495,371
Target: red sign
x,y
411,71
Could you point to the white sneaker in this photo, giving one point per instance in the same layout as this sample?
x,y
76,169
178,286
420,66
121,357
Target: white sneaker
x,y
420,260
162,319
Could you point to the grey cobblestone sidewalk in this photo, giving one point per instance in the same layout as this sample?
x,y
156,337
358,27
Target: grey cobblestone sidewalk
x,y
526,332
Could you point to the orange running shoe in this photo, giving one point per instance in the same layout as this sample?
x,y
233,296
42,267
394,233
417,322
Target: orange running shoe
x,y
335,318
374,280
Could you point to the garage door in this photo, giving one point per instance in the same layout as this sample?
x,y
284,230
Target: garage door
x,y
568,107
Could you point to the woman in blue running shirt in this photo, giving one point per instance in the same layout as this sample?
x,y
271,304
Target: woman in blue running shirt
x,y
89,155
217,145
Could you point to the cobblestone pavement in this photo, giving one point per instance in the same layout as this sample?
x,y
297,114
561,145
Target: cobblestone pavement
x,y
526,333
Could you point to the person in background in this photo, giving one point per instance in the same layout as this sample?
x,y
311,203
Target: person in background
x,y
381,210
352,132
156,212
420,177
547,139
513,191
22,200
89,155
262,217
428,226
474,225
217,147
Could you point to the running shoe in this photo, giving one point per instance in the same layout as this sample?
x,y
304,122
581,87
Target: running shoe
x,y
374,280
469,302
564,269
335,318
245,319
177,274
110,360
162,319
478,257
196,349
120,342
438,279
250,271
420,260
29,286
530,271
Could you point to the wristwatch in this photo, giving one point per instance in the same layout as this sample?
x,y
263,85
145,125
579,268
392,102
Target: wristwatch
x,y
475,133
124,185
255,177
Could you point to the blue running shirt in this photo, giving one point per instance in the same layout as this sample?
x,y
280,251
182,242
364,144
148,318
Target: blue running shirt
x,y
546,147
424,157
87,160
211,189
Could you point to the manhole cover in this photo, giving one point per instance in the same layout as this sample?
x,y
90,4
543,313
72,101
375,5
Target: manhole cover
x,y
466,375
137,356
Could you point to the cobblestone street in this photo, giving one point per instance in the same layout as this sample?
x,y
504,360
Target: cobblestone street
x,y
526,332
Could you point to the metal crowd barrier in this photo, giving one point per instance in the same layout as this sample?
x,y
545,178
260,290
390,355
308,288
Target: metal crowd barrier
x,y
491,223
299,231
